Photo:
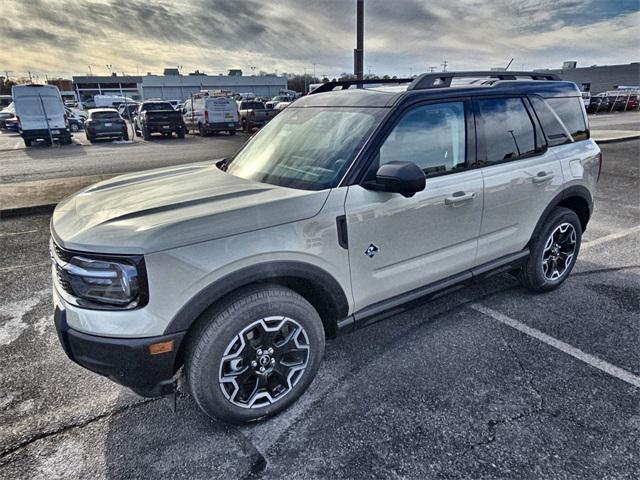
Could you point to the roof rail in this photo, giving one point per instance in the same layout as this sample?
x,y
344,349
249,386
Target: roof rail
x,y
443,79
345,84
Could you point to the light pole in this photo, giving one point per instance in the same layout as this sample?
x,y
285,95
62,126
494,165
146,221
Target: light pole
x,y
358,53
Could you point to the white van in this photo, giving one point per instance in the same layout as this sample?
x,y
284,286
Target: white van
x,y
40,113
207,114
110,101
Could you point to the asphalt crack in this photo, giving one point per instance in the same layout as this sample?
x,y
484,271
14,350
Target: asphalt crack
x,y
7,452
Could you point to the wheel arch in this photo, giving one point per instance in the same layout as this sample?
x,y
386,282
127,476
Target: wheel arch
x,y
315,284
576,198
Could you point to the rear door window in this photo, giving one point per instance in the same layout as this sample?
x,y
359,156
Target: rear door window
x,y
569,109
506,131
554,130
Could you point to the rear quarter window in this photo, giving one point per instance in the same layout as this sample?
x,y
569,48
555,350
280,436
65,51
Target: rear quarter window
x,y
569,110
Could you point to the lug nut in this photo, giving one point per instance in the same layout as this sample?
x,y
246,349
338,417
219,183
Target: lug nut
x,y
262,369
259,352
254,363
273,361
271,351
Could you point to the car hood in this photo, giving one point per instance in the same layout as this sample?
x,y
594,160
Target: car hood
x,y
176,206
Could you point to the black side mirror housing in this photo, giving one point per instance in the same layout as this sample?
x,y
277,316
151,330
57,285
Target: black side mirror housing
x,y
405,178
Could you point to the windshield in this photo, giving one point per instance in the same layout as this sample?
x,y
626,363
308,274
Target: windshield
x,y
306,148
157,106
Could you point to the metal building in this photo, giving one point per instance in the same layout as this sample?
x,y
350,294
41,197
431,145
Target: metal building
x,y
180,87
600,78
87,87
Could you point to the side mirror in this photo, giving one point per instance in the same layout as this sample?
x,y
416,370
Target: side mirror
x,y
405,178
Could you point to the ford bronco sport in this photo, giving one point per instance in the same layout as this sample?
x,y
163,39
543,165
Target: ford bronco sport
x,y
350,204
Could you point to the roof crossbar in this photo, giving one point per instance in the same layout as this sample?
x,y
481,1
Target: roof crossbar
x,y
443,79
345,84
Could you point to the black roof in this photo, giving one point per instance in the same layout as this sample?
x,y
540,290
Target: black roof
x,y
386,93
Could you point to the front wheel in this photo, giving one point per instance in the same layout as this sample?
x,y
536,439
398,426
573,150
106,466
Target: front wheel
x,y
232,132
255,355
553,251
74,127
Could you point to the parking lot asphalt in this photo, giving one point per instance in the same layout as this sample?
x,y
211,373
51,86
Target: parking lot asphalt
x,y
105,157
489,382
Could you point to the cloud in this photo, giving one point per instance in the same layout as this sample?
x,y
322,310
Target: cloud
x,y
66,36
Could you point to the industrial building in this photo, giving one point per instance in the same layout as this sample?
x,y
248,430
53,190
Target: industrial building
x,y
600,78
174,86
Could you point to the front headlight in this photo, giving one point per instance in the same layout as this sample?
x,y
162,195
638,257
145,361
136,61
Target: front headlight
x,y
97,281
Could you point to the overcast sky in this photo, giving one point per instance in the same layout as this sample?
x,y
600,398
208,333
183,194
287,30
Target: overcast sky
x,y
401,36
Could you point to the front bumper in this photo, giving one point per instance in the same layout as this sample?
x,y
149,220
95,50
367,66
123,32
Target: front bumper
x,y
126,361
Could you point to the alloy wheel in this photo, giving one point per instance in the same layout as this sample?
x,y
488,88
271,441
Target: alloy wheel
x,y
263,362
559,251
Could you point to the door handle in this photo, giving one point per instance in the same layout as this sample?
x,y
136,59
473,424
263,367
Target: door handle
x,y
459,197
542,177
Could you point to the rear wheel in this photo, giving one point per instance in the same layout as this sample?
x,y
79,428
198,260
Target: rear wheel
x,y
74,127
553,252
232,132
255,355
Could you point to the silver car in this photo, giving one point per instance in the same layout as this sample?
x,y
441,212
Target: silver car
x,y
347,206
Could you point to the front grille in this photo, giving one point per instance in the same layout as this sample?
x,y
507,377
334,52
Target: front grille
x,y
63,280
61,253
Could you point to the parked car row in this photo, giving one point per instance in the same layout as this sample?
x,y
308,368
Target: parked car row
x,y
609,103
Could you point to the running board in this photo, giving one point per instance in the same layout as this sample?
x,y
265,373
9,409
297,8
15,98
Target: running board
x,y
400,303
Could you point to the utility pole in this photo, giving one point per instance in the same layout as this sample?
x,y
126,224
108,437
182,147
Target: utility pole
x,y
444,65
358,53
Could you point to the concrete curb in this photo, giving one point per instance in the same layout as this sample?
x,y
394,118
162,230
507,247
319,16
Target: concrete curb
x,y
618,139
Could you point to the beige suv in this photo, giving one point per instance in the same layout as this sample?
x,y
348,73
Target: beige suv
x,y
351,203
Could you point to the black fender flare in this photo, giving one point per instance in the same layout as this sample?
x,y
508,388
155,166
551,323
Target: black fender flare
x,y
573,191
319,287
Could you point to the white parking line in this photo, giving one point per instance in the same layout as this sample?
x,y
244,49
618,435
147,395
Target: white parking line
x,y
18,233
595,362
608,238
29,265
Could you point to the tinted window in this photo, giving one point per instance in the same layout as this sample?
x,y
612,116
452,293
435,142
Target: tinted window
x,y
508,130
554,131
105,116
251,106
157,106
431,136
570,112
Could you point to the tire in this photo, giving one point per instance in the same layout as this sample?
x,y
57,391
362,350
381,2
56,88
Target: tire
x,y
180,133
74,127
280,310
27,142
232,132
553,251
201,130
145,134
91,138
125,136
